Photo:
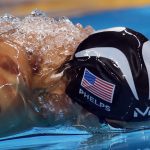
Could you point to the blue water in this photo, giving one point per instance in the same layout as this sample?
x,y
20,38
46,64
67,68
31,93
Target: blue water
x,y
42,139
71,138
137,19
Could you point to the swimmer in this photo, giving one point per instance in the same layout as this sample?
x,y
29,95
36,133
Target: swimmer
x,y
49,64
32,81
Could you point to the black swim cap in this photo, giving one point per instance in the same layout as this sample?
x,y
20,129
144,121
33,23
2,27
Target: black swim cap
x,y
110,75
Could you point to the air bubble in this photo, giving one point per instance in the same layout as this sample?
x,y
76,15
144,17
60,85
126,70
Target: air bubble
x,y
37,12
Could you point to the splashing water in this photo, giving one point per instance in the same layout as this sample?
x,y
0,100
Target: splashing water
x,y
49,42
8,22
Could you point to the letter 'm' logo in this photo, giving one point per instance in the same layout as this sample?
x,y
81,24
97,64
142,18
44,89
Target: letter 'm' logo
x,y
138,112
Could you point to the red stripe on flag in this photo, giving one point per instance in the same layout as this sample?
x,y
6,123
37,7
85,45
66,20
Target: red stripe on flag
x,y
99,88
104,82
103,88
86,84
99,94
103,85
103,96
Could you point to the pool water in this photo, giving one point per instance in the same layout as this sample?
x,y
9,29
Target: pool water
x,y
43,139
71,138
134,18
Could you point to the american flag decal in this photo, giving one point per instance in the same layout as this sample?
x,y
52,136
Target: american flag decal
x,y
97,86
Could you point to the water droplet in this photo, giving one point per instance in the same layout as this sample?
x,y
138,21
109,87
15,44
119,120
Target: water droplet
x,y
37,12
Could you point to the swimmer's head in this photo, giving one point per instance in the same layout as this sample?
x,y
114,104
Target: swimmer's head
x,y
110,75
